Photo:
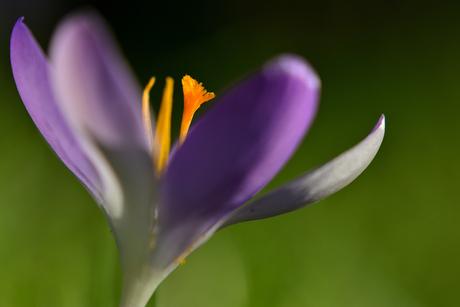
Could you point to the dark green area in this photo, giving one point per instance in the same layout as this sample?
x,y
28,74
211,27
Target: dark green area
x,y
389,239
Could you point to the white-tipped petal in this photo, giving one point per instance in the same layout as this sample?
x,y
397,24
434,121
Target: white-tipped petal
x,y
314,185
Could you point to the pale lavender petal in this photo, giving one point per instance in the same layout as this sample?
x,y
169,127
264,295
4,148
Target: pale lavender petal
x,y
316,184
31,72
235,149
94,84
102,102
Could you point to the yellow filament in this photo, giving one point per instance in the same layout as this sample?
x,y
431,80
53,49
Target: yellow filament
x,y
194,96
146,111
162,141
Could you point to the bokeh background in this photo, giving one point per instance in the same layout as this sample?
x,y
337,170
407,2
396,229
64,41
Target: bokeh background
x,y
389,239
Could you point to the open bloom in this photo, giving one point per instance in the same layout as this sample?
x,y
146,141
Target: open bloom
x,y
161,205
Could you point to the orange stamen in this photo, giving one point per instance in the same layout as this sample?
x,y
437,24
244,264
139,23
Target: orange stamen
x,y
194,96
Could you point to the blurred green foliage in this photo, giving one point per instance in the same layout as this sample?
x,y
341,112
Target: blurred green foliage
x,y
389,239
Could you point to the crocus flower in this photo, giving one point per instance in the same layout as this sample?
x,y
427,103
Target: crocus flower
x,y
161,205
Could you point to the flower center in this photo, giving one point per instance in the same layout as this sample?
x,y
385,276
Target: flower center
x,y
160,142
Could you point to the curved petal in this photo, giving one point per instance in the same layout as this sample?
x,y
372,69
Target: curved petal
x,y
316,184
31,72
102,102
94,83
236,148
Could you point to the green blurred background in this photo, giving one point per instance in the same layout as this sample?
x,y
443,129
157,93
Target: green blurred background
x,y
389,239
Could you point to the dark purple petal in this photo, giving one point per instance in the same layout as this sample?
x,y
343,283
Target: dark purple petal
x,y
31,72
316,184
232,152
94,84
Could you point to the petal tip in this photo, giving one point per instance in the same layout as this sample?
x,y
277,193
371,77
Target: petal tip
x,y
295,66
87,20
380,124
19,23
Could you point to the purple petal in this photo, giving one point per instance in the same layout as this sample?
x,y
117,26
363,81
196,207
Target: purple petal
x,y
233,152
316,184
31,72
94,84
